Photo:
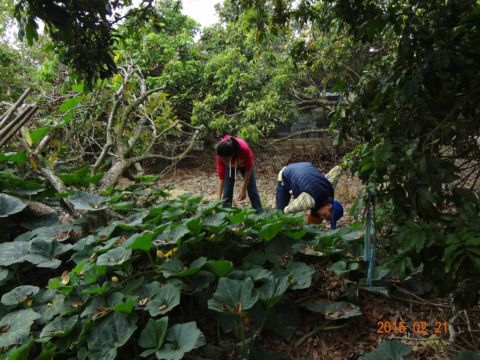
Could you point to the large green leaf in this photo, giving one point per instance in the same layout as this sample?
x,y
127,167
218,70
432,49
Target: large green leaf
x,y
52,307
258,274
16,327
270,230
176,268
13,252
233,296
164,300
40,221
19,294
468,355
153,335
111,333
177,233
389,350
18,157
284,319
44,253
38,134
3,274
140,241
215,222
10,205
278,248
300,275
88,202
80,177
59,327
54,232
116,256
48,352
180,339
334,310
149,290
341,267
195,224
220,267
20,353
70,103
273,289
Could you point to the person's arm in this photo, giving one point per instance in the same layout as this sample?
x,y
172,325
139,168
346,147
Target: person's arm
x,y
221,176
302,203
246,179
220,189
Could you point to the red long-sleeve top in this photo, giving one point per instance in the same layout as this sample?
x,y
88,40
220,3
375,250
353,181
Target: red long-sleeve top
x,y
244,158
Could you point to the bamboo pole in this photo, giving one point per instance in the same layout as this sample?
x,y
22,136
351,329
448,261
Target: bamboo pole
x,y
4,119
12,130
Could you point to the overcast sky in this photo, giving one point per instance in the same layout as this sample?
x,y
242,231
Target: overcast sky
x,y
201,10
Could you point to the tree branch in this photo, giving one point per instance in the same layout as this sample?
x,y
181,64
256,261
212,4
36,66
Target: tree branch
x,y
170,158
303,132
132,107
118,98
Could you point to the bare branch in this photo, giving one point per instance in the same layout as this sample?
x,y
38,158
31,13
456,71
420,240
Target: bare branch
x,y
149,148
303,132
118,98
170,158
132,107
42,144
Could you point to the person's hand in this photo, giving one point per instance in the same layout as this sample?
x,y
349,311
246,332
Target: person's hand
x,y
242,196
314,219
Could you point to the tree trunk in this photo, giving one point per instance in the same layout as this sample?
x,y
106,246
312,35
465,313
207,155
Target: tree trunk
x,y
113,174
58,185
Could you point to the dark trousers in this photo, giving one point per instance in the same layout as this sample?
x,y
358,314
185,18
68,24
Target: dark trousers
x,y
282,196
229,183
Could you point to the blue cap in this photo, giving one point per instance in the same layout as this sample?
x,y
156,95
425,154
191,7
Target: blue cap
x,y
337,213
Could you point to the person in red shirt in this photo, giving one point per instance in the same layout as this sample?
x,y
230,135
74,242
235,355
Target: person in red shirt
x,y
234,154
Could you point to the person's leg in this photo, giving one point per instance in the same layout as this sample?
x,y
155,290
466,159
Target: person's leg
x,y
282,196
228,185
253,191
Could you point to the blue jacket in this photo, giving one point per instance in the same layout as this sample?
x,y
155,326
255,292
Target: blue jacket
x,y
304,177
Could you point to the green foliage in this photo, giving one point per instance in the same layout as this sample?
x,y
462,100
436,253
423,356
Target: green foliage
x,y
411,105
121,282
13,74
246,86
10,205
391,350
83,32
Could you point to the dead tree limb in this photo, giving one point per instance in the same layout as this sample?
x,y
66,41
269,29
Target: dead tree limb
x,y
12,128
303,132
117,100
8,114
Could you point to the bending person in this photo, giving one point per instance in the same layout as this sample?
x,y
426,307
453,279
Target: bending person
x,y
234,154
311,191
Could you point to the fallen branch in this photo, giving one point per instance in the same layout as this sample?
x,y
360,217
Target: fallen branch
x,y
170,158
420,300
21,120
298,133
451,329
319,328
14,107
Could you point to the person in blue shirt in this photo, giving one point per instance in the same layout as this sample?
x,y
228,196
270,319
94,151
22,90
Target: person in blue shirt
x,y
311,190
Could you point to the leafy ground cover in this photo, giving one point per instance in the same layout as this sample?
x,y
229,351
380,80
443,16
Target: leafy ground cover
x,y
187,278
